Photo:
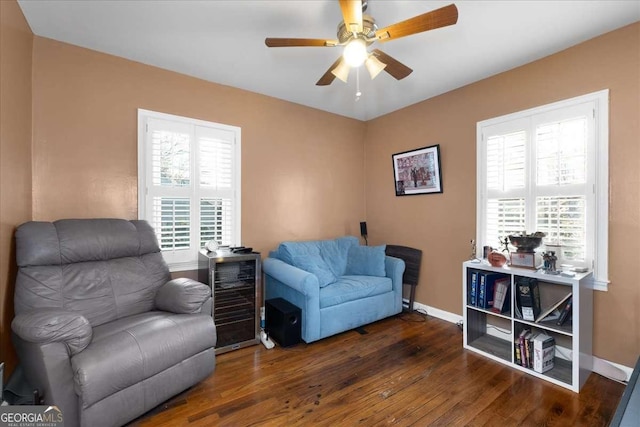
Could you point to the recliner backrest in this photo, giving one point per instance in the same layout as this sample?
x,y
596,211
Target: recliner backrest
x,y
104,269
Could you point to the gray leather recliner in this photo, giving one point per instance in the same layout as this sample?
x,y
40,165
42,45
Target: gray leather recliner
x,y
100,329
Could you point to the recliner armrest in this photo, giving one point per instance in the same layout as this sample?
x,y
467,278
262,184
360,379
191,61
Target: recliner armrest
x,y
182,296
54,325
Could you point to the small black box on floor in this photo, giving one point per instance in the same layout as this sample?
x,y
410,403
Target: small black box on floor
x,y
283,321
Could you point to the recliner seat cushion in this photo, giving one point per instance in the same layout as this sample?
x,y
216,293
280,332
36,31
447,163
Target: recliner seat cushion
x,y
351,288
139,347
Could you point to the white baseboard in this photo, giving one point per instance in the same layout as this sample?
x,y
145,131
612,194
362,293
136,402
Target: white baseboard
x,y
607,369
436,312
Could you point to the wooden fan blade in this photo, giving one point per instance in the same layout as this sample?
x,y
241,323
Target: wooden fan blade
x,y
284,42
328,77
438,18
394,67
352,14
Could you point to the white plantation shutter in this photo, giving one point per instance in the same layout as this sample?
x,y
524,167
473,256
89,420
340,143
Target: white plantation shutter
x,y
561,181
217,186
216,221
561,148
172,222
537,171
189,184
216,159
505,161
504,217
170,157
563,219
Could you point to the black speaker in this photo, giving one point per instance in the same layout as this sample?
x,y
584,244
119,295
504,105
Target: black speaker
x,y
283,321
363,229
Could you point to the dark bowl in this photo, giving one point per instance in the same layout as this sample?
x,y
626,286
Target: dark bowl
x,y
525,243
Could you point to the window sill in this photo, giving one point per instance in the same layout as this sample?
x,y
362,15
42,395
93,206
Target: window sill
x,y
600,285
183,266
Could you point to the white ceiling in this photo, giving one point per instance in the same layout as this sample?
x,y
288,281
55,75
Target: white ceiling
x,y
223,42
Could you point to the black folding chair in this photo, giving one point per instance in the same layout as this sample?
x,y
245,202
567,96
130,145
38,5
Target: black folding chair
x,y
412,258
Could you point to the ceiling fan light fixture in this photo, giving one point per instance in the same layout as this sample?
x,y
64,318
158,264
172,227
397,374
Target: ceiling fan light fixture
x,y
374,66
341,71
355,52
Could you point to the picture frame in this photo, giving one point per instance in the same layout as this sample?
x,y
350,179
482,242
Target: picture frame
x,y
417,171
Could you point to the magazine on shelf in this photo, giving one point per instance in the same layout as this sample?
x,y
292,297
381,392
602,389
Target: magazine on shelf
x,y
553,312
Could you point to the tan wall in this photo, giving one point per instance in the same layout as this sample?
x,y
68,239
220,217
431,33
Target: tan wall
x,y
442,225
303,172
302,169
16,43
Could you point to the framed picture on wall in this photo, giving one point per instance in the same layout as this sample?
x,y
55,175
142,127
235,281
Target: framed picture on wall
x,y
417,171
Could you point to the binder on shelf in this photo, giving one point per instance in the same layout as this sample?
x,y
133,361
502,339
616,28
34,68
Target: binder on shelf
x,y
473,291
487,289
553,312
528,295
501,300
544,351
565,312
482,277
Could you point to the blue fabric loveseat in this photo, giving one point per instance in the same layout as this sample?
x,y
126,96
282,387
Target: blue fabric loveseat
x,y
338,284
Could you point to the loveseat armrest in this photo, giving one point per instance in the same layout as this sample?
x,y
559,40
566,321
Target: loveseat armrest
x,y
302,281
182,296
300,288
394,268
54,325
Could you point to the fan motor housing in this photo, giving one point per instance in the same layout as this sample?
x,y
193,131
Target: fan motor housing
x,y
369,30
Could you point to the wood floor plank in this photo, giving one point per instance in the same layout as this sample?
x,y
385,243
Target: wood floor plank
x,y
401,373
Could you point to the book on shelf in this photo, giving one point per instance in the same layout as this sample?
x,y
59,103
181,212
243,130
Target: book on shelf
x,y
528,349
544,351
523,346
554,312
566,311
516,351
501,300
528,294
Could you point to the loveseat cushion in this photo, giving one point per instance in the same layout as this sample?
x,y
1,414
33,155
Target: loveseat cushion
x,y
350,288
139,347
333,252
315,264
366,261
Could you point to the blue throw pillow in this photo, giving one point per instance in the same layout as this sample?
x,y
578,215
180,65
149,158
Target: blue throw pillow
x,y
366,261
315,264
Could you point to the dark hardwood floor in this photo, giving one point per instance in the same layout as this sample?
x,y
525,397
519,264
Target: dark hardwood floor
x,y
407,371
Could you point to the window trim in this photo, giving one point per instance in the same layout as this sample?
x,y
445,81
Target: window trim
x,y
143,116
600,100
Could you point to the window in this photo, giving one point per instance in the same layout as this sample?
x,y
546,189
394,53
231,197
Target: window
x,y
546,169
188,184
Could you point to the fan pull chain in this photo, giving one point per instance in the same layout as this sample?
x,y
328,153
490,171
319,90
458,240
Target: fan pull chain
x,y
358,93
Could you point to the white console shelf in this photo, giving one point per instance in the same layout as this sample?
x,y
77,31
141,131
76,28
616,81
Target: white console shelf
x,y
493,335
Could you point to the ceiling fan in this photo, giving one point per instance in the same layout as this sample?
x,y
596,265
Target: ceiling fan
x,y
358,31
